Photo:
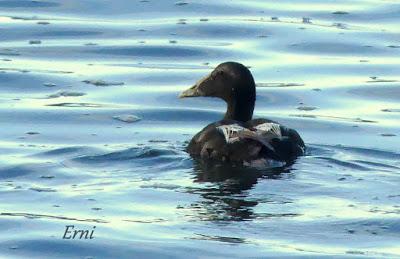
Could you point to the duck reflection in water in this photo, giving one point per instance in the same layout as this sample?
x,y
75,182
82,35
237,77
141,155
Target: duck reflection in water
x,y
227,198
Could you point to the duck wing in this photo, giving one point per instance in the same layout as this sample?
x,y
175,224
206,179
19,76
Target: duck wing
x,y
210,143
233,141
263,133
248,144
221,141
289,146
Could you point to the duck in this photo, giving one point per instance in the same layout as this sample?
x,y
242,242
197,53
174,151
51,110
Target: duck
x,y
238,138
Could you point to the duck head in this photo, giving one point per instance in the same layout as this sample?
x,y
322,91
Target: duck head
x,y
231,82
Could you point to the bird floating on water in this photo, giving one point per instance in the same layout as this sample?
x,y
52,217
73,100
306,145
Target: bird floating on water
x,y
238,138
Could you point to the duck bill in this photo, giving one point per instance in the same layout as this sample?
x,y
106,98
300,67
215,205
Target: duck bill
x,y
191,92
194,91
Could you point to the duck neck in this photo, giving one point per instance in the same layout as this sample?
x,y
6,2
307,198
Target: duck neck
x,y
240,109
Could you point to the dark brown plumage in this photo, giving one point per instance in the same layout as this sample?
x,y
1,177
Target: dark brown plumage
x,y
237,138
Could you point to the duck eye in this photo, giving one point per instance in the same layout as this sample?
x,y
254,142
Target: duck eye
x,y
215,75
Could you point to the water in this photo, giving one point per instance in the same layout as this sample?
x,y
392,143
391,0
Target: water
x,y
75,153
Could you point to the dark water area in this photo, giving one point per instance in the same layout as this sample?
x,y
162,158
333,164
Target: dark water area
x,y
93,134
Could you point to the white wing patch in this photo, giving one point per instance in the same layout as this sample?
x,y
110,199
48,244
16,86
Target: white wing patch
x,y
271,128
265,131
230,132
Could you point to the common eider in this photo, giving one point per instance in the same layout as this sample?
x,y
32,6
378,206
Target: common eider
x,y
238,138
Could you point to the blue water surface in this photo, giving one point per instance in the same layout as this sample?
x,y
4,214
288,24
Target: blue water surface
x,y
76,75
